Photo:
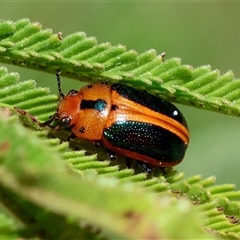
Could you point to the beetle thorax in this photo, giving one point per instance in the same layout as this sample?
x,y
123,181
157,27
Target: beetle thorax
x,y
88,110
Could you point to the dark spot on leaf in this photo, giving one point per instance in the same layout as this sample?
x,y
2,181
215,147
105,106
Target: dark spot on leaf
x,y
4,148
220,209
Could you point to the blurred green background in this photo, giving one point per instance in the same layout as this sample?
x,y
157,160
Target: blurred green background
x,y
198,33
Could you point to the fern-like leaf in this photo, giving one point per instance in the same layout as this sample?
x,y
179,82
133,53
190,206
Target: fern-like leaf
x,y
26,44
43,192
41,171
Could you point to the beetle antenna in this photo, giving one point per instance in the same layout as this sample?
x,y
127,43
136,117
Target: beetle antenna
x,y
59,85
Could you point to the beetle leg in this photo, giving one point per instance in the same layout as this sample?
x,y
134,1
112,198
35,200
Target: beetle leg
x,y
97,143
145,167
48,122
72,136
34,119
111,155
163,170
128,162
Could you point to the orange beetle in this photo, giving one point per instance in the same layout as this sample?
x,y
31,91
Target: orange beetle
x,y
126,121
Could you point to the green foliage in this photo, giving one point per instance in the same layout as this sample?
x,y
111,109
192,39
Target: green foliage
x,y
25,44
53,191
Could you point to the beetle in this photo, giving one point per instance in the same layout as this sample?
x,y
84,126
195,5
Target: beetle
x,y
125,121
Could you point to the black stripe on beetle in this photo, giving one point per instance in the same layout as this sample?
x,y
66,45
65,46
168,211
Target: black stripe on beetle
x,y
98,105
155,103
147,139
